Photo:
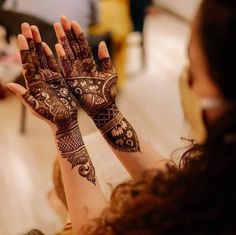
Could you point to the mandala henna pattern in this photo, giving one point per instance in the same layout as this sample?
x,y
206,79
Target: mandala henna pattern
x,y
95,89
49,95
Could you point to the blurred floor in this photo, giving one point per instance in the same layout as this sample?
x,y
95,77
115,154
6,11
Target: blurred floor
x,y
150,100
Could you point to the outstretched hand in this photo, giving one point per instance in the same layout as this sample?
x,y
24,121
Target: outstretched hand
x,y
47,93
49,97
93,85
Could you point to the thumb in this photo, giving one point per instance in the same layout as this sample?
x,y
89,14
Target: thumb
x,y
17,89
28,100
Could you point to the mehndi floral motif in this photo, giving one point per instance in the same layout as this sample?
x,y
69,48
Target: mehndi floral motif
x,y
70,143
117,130
49,96
95,88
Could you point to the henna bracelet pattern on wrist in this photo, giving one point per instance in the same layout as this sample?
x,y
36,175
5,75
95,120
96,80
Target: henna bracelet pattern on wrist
x,y
116,130
72,148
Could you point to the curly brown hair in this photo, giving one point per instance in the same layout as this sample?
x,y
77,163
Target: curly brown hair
x,y
198,197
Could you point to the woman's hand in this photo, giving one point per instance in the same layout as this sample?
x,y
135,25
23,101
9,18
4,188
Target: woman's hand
x,y
47,93
94,86
49,97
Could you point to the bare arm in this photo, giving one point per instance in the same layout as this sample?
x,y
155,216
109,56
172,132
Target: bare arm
x,y
48,97
134,153
84,197
94,86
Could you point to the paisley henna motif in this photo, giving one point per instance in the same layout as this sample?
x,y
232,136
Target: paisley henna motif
x,y
117,130
95,89
49,95
71,145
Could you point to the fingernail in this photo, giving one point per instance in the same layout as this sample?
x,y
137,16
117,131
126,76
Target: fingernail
x,y
25,24
102,45
57,24
34,27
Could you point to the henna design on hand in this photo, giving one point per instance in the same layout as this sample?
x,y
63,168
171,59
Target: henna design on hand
x,y
70,143
48,93
95,89
49,96
117,130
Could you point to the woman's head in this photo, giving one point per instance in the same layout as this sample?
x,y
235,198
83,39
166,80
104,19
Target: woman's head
x,y
200,197
212,51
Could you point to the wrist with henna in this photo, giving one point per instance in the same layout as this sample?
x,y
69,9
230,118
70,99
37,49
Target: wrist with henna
x,y
116,129
49,96
95,88
71,146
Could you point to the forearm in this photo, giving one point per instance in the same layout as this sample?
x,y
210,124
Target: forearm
x,y
138,163
136,155
84,196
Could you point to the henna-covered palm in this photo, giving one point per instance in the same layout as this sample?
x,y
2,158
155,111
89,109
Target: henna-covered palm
x,y
94,86
49,96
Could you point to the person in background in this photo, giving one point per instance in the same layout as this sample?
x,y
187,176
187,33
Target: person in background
x,y
138,10
196,197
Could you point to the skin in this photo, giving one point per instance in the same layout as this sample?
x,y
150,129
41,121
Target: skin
x,y
135,162
79,190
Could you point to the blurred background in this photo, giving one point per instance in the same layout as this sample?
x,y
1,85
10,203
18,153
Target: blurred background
x,y
147,41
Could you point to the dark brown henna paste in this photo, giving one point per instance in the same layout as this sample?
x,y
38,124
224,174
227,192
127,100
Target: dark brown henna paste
x,y
49,95
73,43
71,145
52,64
117,130
66,46
106,66
93,89
41,56
31,45
96,91
85,50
